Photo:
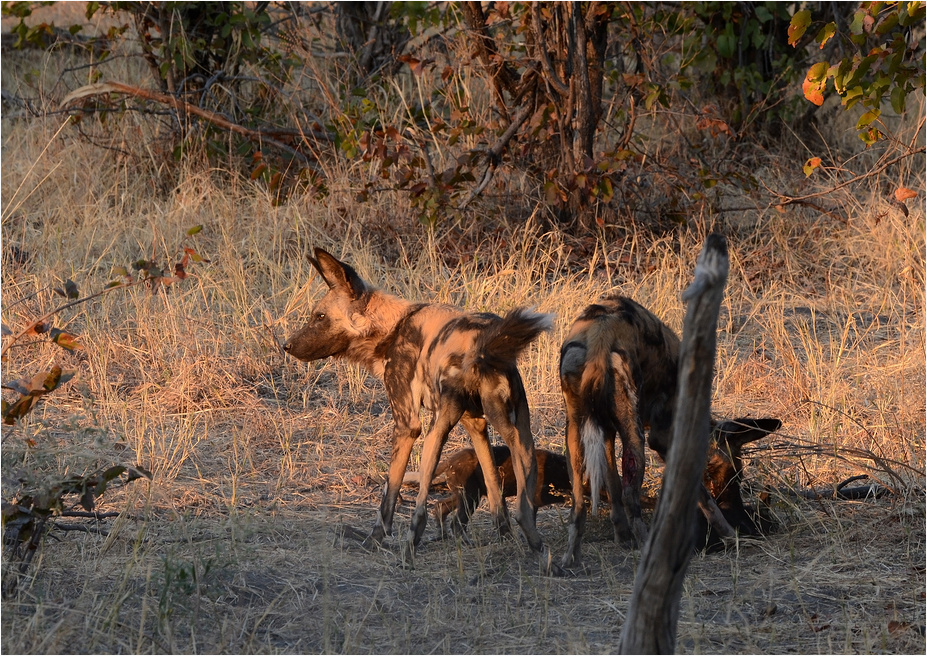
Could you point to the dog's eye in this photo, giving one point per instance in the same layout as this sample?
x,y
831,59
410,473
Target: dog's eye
x,y
320,316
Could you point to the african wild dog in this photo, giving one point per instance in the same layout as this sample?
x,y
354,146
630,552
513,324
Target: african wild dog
x,y
723,474
618,372
458,365
463,475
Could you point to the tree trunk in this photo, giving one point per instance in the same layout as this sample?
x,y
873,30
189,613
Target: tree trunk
x,y
650,627
367,30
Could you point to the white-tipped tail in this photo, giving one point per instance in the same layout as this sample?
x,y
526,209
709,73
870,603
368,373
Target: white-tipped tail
x,y
594,460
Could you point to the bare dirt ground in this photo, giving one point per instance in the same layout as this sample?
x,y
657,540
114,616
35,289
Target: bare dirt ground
x,y
276,576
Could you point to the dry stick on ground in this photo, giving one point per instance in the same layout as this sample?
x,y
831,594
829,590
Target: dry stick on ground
x,y
167,99
650,627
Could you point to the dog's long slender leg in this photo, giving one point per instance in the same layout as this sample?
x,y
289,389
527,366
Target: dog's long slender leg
x,y
632,442
574,447
501,407
447,415
618,516
404,437
479,437
572,363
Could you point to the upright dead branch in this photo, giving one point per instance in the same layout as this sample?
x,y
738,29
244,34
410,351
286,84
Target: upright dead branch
x,y
650,627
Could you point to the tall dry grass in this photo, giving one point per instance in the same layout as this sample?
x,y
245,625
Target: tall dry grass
x,y
258,460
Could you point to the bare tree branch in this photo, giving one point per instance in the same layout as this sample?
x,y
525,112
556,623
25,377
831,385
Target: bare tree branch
x,y
167,99
650,626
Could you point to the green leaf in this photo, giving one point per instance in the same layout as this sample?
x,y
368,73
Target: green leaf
x,y
852,96
825,34
15,412
137,472
866,119
69,291
856,25
870,136
65,340
799,23
114,472
763,14
818,72
811,165
194,230
898,99
887,24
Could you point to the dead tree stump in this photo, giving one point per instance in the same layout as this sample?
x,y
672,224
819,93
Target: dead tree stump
x,y
650,627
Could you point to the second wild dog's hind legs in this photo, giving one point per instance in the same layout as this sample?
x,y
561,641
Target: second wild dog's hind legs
x,y
617,514
577,521
571,363
632,446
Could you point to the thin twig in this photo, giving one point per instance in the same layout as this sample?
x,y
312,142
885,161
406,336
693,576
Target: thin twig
x,y
177,103
790,200
61,308
81,527
495,151
89,515
552,77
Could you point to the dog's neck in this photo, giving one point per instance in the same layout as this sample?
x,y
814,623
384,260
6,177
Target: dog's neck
x,y
383,313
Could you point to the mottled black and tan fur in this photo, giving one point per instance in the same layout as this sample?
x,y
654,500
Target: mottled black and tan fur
x,y
458,365
618,372
463,474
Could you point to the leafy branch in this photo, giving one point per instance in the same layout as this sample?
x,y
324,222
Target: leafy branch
x,y
30,516
31,389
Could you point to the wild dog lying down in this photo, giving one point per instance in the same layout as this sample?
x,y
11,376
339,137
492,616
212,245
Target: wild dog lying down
x,y
458,365
463,475
723,474
618,372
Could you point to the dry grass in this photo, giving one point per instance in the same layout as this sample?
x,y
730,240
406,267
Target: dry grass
x,y
259,460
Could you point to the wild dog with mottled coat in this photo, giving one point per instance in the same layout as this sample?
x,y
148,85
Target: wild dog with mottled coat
x,y
458,365
618,372
463,474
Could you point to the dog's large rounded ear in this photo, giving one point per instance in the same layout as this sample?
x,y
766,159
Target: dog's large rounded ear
x,y
738,432
337,274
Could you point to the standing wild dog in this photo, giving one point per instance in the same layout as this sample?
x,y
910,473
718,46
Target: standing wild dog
x,y
618,371
458,365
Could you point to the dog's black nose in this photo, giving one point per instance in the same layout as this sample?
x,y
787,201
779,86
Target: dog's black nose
x,y
287,346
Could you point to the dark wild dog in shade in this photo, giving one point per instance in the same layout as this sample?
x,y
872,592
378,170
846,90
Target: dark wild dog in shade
x,y
463,474
618,372
458,365
723,474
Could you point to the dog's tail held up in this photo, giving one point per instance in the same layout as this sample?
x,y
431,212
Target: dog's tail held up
x,y
500,344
